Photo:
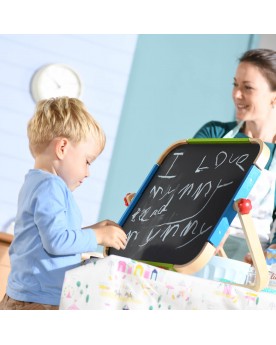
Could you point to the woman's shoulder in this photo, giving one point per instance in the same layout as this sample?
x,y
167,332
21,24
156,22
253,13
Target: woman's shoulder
x,y
215,129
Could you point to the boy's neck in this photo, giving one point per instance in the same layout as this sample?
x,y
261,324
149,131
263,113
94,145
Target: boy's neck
x,y
45,163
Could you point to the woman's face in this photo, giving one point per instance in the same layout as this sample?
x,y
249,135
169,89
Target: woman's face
x,y
251,94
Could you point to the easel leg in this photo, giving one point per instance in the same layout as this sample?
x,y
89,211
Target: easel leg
x,y
243,207
222,253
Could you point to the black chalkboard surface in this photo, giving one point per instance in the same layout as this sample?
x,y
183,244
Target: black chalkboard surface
x,y
187,200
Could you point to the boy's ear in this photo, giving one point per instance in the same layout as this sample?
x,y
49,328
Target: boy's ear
x,y
61,147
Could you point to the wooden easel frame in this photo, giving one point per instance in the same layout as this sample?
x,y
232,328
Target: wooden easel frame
x,y
254,246
251,236
209,249
255,249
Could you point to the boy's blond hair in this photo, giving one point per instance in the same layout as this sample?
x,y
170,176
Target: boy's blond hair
x,y
61,117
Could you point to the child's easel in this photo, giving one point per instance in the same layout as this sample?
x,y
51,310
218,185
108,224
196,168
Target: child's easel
x,y
186,235
243,208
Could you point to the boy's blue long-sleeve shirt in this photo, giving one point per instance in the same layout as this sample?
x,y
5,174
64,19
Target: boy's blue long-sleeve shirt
x,y
48,239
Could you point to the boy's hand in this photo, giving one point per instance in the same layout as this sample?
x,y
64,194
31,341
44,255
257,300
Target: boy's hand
x,y
110,234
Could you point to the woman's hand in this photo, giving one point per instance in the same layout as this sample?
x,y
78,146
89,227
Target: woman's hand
x,y
128,198
248,257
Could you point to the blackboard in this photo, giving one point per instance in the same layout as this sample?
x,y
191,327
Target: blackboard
x,y
187,199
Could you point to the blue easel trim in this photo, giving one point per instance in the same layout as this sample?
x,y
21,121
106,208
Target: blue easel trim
x,y
138,195
229,214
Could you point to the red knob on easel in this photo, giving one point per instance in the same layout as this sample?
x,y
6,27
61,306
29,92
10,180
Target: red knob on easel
x,y
244,206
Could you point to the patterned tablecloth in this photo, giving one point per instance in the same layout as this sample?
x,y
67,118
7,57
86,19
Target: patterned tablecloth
x,y
121,283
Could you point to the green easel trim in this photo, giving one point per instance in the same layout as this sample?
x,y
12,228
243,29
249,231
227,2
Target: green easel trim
x,y
165,266
218,141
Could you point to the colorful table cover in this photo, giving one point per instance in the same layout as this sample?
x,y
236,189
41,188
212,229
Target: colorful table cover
x,y
116,282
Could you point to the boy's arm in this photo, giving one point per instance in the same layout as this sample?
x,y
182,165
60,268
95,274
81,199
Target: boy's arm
x,y
60,232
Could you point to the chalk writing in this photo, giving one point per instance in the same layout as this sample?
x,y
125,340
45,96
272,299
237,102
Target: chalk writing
x,y
177,154
184,200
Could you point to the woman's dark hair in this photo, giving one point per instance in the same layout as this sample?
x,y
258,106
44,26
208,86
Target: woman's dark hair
x,y
265,60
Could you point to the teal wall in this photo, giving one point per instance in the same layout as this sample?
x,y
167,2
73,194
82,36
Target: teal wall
x,y
177,83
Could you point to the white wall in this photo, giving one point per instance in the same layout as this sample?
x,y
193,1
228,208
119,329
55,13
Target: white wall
x,y
103,62
268,41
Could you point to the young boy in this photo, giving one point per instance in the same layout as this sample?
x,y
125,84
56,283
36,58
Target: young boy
x,y
48,240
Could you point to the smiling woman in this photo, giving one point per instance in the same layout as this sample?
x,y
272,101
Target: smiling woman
x,y
254,96
254,101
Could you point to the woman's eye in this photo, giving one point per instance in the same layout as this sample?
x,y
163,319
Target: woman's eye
x,y
88,163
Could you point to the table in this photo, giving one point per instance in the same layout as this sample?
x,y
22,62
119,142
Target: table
x,y
116,283
5,241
